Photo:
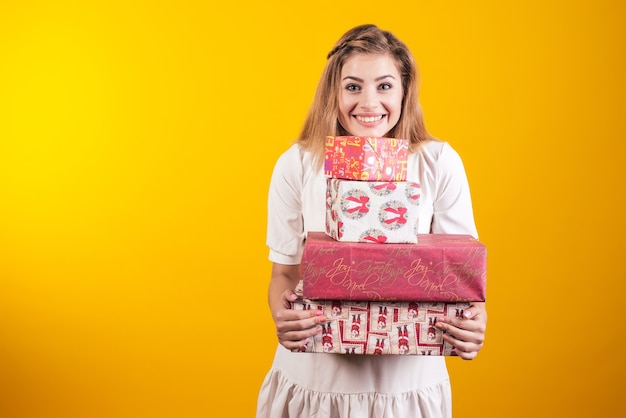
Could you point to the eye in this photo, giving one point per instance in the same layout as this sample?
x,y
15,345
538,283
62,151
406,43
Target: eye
x,y
352,87
385,86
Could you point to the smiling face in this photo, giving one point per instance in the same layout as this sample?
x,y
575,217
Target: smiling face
x,y
370,101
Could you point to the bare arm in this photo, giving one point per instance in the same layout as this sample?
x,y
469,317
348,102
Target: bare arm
x,y
293,328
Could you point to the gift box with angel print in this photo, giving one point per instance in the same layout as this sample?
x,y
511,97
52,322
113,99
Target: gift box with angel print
x,y
380,328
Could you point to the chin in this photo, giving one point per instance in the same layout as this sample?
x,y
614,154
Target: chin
x,y
373,133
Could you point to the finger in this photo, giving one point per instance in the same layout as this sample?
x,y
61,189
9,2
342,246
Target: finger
x,y
466,355
296,334
464,340
476,311
466,343
457,326
469,313
456,335
466,333
292,320
296,345
473,312
298,339
464,349
289,297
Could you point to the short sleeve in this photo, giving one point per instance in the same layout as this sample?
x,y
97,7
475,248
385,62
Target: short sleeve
x,y
285,227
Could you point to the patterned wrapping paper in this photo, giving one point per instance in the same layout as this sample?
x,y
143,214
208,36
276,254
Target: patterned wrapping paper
x,y
439,268
366,158
380,328
372,212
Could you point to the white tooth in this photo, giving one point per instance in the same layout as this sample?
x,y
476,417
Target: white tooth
x,y
368,119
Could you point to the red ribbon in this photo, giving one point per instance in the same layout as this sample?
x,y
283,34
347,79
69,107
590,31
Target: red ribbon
x,y
362,201
400,219
380,238
388,186
414,196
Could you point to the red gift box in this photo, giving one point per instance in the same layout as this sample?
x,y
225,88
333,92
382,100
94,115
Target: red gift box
x,y
366,158
438,268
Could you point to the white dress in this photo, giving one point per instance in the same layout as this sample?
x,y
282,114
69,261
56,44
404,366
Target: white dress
x,y
301,385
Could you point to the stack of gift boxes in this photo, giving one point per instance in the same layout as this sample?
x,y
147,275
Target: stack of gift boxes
x,y
380,284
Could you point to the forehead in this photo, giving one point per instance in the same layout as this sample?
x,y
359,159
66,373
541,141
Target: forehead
x,y
370,65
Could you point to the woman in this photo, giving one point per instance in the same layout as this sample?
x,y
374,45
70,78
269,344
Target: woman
x,y
368,88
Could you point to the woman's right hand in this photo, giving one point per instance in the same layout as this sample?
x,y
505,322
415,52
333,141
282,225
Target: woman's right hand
x,y
295,328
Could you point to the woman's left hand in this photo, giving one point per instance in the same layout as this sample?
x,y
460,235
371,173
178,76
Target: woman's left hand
x,y
466,334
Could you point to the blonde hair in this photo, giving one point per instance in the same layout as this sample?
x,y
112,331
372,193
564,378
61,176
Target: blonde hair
x,y
323,119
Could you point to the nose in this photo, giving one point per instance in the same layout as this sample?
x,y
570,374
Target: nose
x,y
369,100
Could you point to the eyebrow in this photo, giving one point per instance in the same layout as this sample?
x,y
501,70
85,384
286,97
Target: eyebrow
x,y
360,80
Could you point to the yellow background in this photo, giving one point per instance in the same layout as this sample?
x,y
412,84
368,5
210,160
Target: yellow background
x,y
136,143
